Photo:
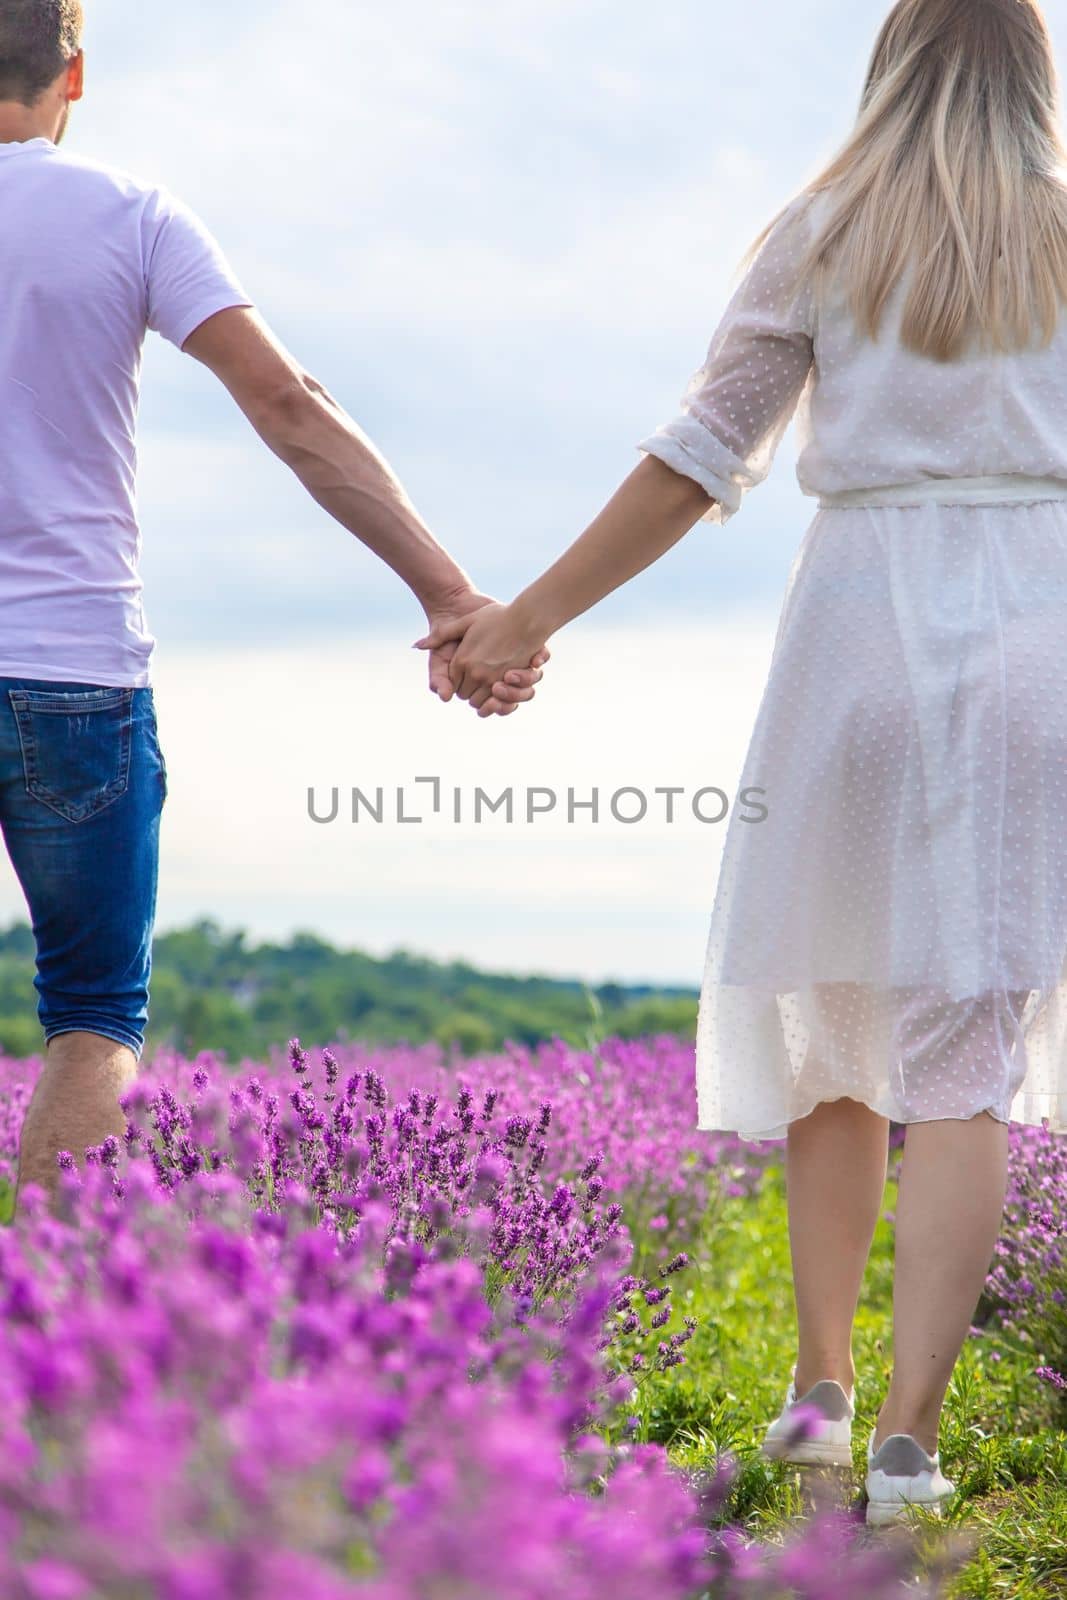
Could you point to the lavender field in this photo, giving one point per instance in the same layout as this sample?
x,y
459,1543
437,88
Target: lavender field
x,y
377,1324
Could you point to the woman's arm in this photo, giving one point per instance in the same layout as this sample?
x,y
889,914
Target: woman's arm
x,y
701,464
648,514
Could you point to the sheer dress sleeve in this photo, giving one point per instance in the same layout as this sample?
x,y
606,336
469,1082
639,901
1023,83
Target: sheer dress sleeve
x,y
740,402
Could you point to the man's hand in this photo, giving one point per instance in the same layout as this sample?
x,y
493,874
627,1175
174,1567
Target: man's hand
x,y
449,621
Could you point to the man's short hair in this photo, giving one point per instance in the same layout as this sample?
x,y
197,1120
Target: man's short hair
x,y
38,38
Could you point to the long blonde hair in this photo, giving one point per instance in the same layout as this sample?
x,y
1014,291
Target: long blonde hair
x,y
956,166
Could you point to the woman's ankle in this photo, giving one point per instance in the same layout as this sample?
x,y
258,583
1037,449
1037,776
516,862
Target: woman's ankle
x,y
841,1372
918,1426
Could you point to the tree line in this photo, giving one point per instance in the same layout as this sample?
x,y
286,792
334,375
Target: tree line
x,y
213,989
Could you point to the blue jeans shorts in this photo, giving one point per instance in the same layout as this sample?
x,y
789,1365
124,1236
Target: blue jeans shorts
x,y
82,786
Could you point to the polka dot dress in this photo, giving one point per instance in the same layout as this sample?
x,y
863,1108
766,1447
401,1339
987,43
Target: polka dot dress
x,y
895,930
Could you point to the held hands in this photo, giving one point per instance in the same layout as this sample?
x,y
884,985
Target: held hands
x,y
478,652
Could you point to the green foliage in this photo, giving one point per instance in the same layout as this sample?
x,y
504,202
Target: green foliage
x,y
656,1014
465,1031
214,990
20,1035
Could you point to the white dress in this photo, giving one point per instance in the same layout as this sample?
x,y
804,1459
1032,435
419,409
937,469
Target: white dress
x,y
895,931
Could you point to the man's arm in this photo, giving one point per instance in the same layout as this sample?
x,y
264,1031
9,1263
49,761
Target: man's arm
x,y
340,467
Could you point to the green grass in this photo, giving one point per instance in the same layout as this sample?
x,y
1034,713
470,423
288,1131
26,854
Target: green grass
x,y
998,1442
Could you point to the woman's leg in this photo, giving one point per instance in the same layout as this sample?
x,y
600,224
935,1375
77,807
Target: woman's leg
x,y
949,1210
836,1161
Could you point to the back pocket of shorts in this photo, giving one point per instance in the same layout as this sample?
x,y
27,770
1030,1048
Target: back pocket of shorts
x,y
75,746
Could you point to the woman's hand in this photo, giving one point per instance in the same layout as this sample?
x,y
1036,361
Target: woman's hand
x,y
496,643
494,696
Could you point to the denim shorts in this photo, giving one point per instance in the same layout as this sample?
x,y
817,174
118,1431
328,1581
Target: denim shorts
x,y
82,786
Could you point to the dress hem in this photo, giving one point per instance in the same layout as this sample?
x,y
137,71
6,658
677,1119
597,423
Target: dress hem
x,y
781,1129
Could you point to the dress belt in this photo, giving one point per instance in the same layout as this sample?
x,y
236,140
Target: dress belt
x,y
1005,488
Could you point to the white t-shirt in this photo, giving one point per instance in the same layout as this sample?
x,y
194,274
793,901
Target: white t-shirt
x,y
89,259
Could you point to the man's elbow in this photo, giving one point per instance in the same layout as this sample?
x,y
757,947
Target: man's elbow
x,y
283,412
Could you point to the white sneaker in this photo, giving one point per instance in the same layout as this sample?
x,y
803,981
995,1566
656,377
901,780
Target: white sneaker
x,y
900,1473
830,1443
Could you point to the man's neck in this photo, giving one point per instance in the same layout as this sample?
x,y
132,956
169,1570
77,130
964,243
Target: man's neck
x,y
18,123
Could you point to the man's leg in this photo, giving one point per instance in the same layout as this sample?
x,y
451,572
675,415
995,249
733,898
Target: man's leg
x,y
80,810
75,1103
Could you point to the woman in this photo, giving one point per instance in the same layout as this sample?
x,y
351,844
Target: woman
x,y
890,943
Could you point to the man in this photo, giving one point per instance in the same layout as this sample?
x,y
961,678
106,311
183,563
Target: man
x,y
89,259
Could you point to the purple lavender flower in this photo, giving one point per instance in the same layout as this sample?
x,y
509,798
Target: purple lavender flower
x,y
282,1340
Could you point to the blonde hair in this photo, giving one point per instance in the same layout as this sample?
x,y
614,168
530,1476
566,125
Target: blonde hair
x,y
956,166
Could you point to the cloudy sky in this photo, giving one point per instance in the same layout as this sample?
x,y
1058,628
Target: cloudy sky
x,y
501,232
